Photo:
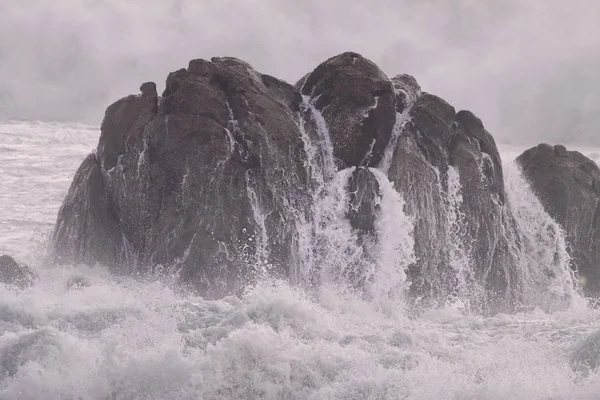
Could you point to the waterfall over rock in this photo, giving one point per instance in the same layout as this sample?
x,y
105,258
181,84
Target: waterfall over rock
x,y
357,102
568,185
347,178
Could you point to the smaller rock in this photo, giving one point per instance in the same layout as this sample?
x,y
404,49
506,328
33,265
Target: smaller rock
x,y
150,94
231,62
364,201
560,151
544,147
357,101
407,91
567,184
12,273
148,89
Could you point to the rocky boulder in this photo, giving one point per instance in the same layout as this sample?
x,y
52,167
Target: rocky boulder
x,y
13,273
88,231
232,173
357,100
448,168
568,185
198,185
357,104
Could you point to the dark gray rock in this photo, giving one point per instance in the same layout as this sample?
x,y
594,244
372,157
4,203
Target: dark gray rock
x,y
220,178
435,139
148,89
420,184
490,226
202,185
568,185
358,102
150,94
87,230
407,90
364,199
13,273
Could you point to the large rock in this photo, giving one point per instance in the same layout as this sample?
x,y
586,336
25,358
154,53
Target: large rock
x,y
364,201
88,230
568,185
210,181
200,183
448,168
231,173
357,100
13,273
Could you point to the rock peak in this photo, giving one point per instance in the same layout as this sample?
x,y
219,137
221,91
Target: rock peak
x,y
148,89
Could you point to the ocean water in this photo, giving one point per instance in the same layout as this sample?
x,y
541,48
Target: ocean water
x,y
81,333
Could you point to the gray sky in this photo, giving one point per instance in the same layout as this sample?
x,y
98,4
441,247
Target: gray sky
x,y
529,68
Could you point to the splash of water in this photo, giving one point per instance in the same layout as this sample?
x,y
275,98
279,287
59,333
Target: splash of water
x,y
395,247
541,249
336,254
109,337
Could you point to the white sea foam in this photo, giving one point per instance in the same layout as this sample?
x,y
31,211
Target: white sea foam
x,y
119,338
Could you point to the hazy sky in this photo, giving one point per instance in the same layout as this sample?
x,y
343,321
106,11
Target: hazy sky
x,y
529,68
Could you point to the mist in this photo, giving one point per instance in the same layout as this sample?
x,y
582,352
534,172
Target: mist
x,y
527,68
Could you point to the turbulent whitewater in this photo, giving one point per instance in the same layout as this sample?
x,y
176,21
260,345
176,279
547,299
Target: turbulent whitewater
x,y
349,237
84,333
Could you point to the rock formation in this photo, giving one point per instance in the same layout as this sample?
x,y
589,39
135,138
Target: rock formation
x,y
199,184
568,184
217,180
433,139
13,273
357,100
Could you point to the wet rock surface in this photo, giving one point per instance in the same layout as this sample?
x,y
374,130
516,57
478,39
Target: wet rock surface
x,y
358,102
436,141
215,181
13,273
568,184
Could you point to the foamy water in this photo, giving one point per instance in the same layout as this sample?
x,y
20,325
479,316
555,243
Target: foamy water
x,y
81,333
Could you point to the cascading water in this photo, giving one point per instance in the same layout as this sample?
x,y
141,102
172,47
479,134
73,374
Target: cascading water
x,y
333,251
261,239
458,282
540,246
466,288
395,247
337,255
401,120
